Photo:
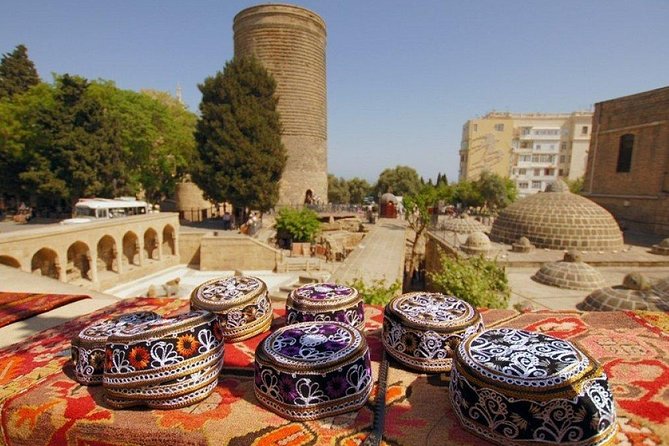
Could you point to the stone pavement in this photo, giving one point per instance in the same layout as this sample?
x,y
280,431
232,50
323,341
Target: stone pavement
x,y
379,256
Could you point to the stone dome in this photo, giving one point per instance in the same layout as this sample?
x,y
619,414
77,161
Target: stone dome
x,y
522,245
476,243
463,225
558,220
661,248
570,273
634,294
524,241
388,198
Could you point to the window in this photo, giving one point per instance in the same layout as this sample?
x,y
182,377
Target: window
x,y
475,127
552,146
561,172
499,127
522,185
584,130
625,153
549,172
563,146
526,130
537,172
522,171
536,184
562,158
538,147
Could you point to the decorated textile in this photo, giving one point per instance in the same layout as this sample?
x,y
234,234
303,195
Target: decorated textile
x,y
18,306
325,302
41,403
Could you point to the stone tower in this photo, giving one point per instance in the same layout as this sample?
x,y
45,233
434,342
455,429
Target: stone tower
x,y
290,42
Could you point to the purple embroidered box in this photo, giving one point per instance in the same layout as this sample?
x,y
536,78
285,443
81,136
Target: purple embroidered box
x,y
420,329
242,304
312,370
88,347
515,387
169,363
325,302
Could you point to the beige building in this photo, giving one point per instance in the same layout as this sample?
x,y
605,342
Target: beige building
x,y
533,149
628,166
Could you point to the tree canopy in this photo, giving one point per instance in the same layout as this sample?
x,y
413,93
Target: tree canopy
x,y
402,180
238,136
495,191
338,191
17,73
75,138
358,189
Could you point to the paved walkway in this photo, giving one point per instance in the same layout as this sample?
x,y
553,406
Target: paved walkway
x,y
380,255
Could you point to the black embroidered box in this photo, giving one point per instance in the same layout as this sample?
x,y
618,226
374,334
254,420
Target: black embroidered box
x,y
169,363
242,304
515,387
420,329
88,347
312,370
325,302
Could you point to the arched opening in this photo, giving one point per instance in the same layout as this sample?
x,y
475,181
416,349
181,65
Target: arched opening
x,y
151,244
169,241
107,254
45,263
78,262
9,261
130,249
309,197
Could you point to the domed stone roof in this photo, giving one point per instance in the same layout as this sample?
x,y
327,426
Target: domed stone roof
x,y
558,220
463,225
662,248
388,198
522,245
635,293
570,273
476,243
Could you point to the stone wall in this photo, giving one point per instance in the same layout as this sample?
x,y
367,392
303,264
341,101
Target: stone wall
x,y
638,198
189,247
234,251
290,42
435,247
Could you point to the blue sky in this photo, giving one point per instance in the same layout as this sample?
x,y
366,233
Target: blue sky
x,y
403,76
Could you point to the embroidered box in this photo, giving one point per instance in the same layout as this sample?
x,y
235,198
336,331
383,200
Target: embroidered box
x,y
88,347
420,329
242,304
325,302
312,370
515,387
170,363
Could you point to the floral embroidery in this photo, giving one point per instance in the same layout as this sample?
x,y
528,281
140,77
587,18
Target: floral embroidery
x,y
139,358
187,345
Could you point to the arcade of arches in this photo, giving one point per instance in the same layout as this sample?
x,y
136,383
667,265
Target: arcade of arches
x,y
98,254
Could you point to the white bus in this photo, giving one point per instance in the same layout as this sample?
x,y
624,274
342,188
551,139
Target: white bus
x,y
91,209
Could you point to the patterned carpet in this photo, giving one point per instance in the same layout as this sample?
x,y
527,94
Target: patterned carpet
x,y
17,306
41,404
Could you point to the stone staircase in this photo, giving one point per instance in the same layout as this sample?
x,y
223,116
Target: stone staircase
x,y
280,295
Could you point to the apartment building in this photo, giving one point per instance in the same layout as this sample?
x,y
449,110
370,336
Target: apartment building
x,y
533,149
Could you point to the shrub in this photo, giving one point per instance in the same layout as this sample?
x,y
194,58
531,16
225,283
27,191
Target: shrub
x,y
301,226
477,280
379,293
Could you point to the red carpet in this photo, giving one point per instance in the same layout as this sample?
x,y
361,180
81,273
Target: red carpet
x,y
40,403
17,306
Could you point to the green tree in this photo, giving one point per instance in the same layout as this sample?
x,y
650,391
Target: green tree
x,y
358,189
419,208
477,280
299,225
466,193
402,180
238,136
575,186
337,190
496,192
441,179
76,151
17,73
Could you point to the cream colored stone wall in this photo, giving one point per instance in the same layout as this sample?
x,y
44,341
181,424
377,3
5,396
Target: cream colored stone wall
x,y
230,252
290,42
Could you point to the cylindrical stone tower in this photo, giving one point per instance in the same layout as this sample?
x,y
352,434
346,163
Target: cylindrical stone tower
x,y
290,42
